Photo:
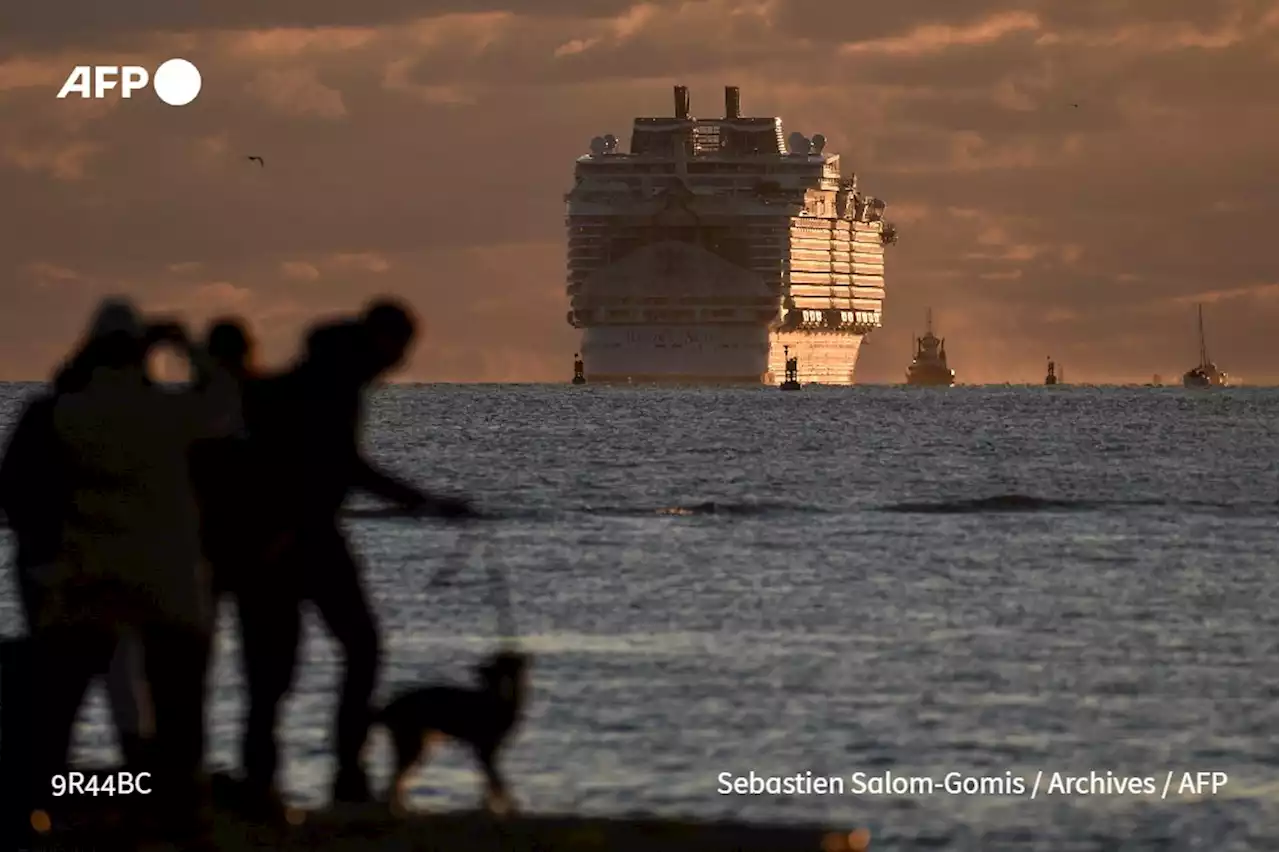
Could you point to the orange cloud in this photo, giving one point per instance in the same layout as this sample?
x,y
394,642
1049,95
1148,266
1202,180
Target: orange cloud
x,y
934,38
1025,222
298,92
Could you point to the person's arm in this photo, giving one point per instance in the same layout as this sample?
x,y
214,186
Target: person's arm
x,y
391,488
21,458
382,484
213,403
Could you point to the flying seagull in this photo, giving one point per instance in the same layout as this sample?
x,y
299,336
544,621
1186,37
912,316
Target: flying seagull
x,y
258,160
1077,106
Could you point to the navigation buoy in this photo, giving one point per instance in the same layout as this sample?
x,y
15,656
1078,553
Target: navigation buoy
x,y
792,380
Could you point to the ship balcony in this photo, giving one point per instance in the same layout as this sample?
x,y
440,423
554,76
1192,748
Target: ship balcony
x,y
617,301
830,319
587,317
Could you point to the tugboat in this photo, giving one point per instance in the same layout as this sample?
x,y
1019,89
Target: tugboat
x,y
1206,374
792,380
579,370
1051,378
930,364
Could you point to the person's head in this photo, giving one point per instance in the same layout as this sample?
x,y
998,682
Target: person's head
x,y
339,354
116,337
228,343
390,328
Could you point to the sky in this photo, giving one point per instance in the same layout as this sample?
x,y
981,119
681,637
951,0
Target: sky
x,y
1068,178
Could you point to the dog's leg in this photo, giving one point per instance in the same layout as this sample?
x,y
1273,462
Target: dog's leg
x,y
411,753
496,798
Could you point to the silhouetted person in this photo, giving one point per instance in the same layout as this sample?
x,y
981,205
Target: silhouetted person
x,y
243,531
224,474
307,423
129,559
229,345
35,495
35,499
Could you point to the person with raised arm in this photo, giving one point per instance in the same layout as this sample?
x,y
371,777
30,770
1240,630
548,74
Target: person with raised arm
x,y
129,560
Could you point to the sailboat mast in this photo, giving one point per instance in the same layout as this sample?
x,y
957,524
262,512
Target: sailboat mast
x,y
1204,352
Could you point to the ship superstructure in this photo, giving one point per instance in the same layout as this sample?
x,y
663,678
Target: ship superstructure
x,y
929,367
712,244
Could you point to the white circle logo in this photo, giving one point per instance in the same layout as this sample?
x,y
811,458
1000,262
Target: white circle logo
x,y
176,82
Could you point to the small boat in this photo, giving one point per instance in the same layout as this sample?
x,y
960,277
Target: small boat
x,y
792,380
929,367
1205,374
579,370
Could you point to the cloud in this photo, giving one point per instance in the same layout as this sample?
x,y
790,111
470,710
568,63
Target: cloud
x,y
935,38
66,161
297,270
425,148
50,274
298,92
366,261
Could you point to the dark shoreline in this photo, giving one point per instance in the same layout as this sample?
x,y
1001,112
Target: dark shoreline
x,y
372,827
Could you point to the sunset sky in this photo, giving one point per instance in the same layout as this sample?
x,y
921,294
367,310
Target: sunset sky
x,y
423,148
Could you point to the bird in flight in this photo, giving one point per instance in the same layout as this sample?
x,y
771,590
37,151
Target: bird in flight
x,y
257,160
1077,106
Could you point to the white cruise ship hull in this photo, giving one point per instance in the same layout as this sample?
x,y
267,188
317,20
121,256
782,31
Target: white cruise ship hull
x,y
676,353
715,354
715,249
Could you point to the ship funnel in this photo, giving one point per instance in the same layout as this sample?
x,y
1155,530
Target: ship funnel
x,y
682,102
732,102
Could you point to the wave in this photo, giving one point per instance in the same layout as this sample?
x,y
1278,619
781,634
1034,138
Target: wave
x,y
1028,503
708,507
703,509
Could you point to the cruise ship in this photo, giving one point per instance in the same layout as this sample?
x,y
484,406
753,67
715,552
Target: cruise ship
x,y
712,244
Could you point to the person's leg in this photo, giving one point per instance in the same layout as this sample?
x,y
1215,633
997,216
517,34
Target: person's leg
x,y
17,722
64,660
270,631
129,697
18,709
176,659
30,593
335,587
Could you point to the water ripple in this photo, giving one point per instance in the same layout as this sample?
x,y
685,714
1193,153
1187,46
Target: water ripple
x,y
863,580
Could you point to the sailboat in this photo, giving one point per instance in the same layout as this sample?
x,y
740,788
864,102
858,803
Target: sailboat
x,y
1206,374
929,367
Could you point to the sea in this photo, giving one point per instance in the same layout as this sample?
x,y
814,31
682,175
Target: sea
x,y
920,595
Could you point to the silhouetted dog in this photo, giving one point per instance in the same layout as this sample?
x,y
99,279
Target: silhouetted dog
x,y
480,718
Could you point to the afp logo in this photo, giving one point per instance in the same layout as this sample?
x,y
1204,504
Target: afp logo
x,y
176,82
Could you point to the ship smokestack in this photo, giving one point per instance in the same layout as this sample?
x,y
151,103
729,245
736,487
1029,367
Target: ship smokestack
x,y
682,102
732,102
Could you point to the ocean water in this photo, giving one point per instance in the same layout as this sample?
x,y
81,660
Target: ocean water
x,y
995,582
